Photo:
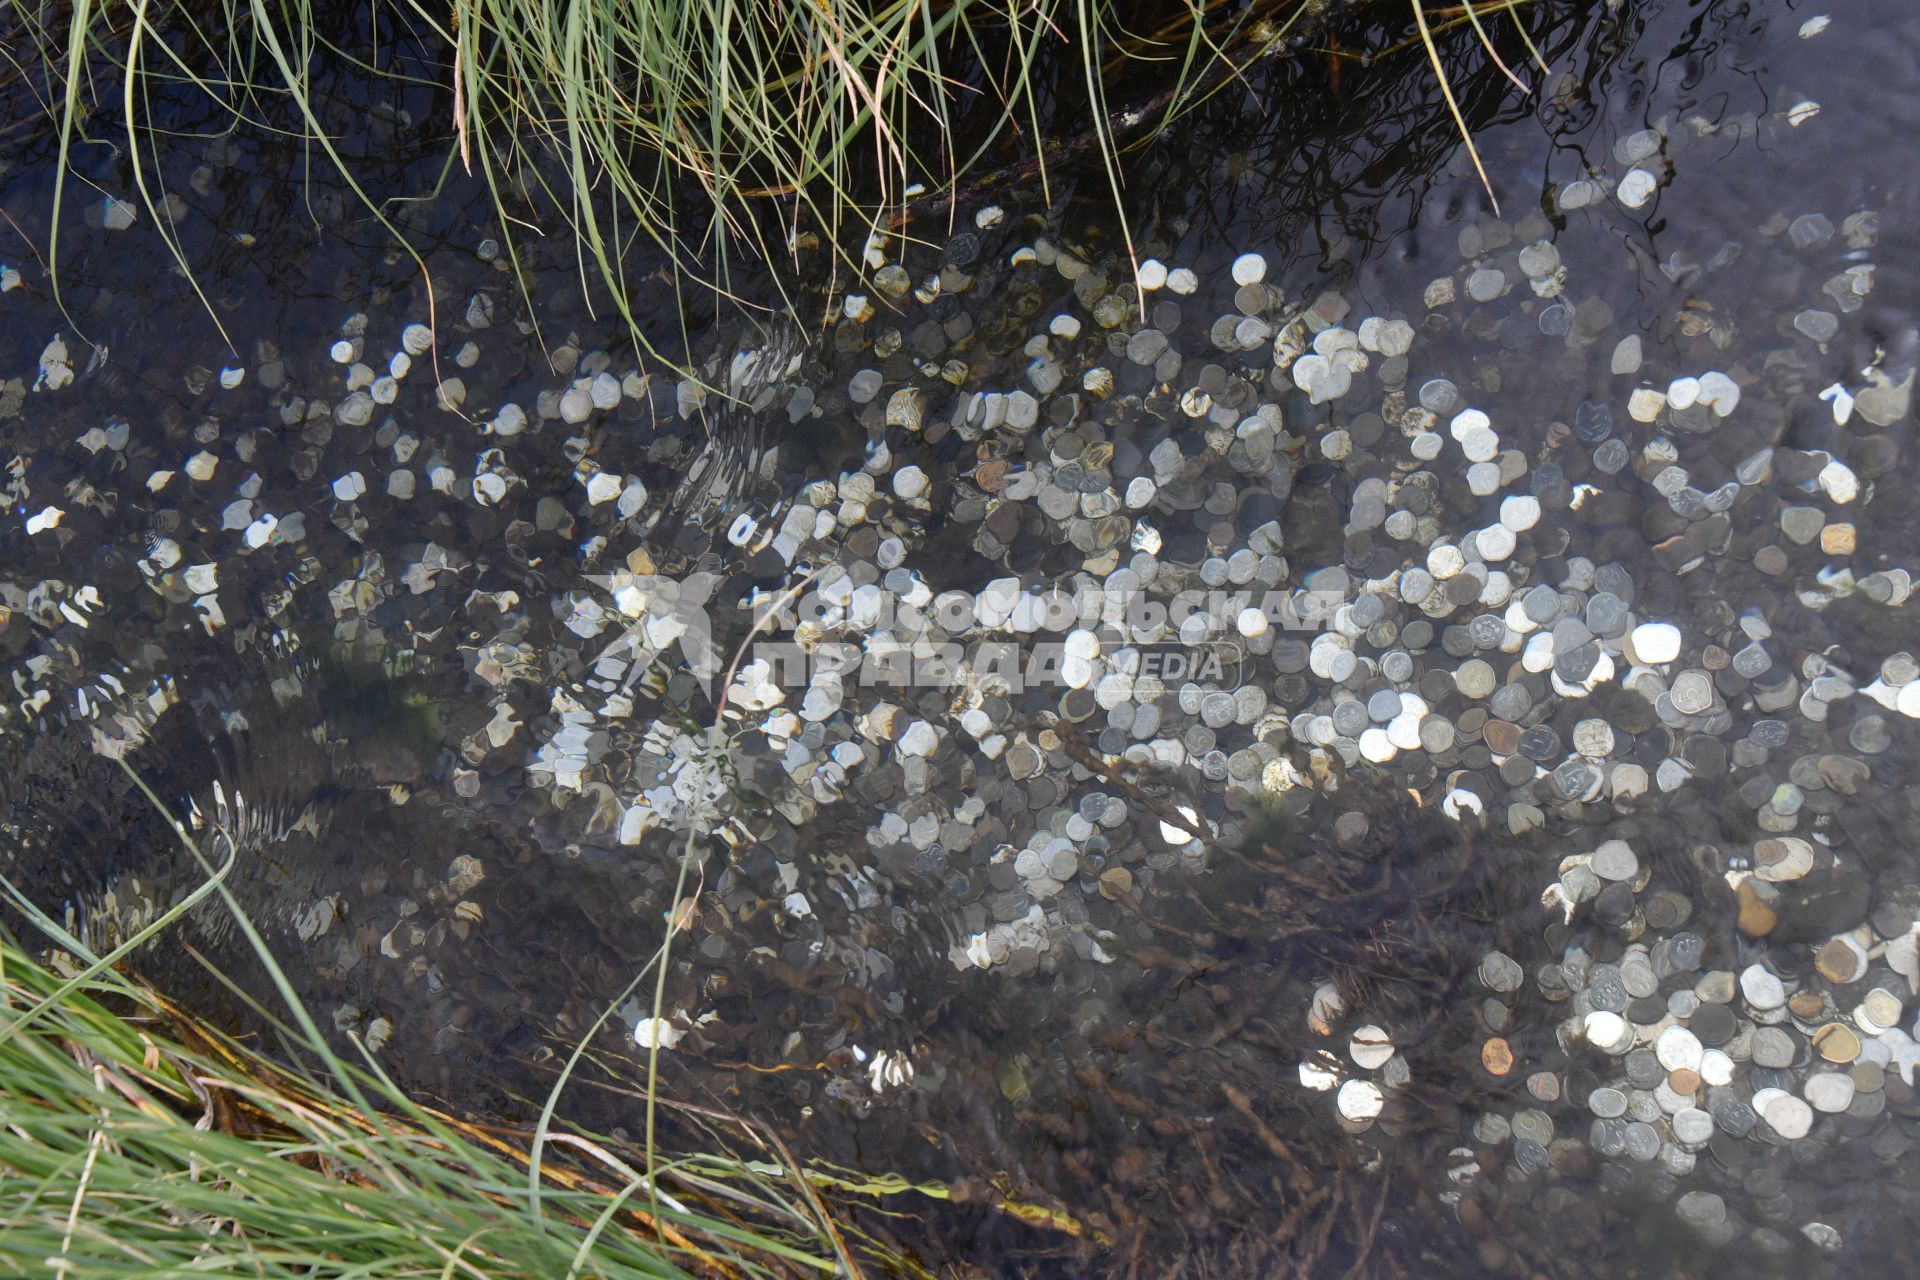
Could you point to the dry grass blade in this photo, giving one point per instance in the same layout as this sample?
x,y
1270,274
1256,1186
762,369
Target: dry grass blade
x,y
1486,42
1513,11
1453,107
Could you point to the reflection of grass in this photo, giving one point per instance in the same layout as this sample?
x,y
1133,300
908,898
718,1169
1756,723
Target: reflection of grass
x,y
782,119
138,1142
1446,86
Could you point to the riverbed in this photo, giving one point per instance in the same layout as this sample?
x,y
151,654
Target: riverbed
x,y
1332,727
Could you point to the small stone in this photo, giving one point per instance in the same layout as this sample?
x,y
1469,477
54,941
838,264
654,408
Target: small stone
x,y
1757,918
1870,735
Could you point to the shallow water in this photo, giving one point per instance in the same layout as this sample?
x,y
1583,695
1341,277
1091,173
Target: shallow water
x,y
865,965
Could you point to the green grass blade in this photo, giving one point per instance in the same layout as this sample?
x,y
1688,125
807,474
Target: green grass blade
x,y
1486,43
1513,11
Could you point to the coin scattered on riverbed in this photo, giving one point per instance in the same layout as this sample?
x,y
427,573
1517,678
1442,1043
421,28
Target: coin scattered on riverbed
x,y
1614,593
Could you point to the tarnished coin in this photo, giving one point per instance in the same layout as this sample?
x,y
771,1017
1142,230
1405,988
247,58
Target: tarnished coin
x,y
1501,972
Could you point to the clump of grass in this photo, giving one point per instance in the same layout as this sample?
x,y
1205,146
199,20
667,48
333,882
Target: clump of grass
x,y
136,1141
702,127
